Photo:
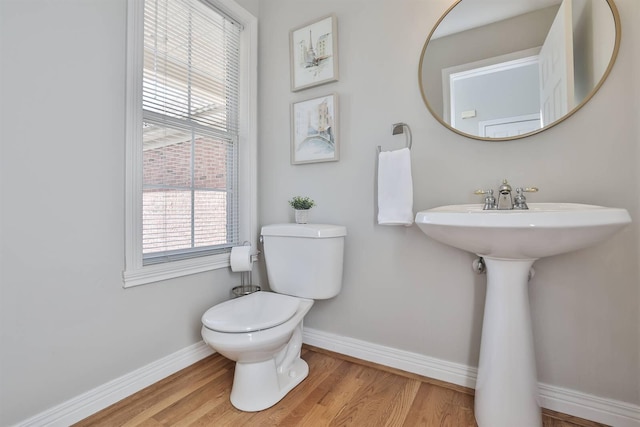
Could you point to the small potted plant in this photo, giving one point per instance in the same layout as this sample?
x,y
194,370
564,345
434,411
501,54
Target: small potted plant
x,y
302,206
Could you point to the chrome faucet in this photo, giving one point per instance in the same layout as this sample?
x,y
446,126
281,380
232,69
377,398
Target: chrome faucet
x,y
504,196
505,200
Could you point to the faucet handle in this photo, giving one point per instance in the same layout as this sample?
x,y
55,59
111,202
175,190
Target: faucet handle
x,y
489,200
527,189
520,202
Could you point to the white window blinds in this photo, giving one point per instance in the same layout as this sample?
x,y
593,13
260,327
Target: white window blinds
x,y
190,131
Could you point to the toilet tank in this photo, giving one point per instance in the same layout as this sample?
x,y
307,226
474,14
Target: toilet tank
x,y
304,260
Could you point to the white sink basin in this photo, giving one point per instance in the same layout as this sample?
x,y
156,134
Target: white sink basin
x,y
510,241
545,229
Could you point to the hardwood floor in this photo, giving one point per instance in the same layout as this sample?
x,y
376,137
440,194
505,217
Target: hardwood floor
x,y
339,391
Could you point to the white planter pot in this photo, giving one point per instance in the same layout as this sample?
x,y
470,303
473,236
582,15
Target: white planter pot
x,y
302,216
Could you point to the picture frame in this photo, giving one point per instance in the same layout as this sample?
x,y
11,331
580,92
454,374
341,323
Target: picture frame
x,y
314,130
313,53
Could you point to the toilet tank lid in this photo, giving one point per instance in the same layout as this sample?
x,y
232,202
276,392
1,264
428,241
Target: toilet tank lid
x,y
318,231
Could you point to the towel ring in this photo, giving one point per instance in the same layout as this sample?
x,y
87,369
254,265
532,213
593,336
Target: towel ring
x,y
399,128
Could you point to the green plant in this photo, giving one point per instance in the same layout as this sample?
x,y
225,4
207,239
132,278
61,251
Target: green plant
x,y
301,203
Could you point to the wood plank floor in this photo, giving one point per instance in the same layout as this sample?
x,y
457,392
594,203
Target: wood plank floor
x,y
339,391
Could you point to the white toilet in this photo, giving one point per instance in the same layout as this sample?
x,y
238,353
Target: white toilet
x,y
262,331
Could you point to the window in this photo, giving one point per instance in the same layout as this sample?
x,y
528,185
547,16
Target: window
x,y
190,136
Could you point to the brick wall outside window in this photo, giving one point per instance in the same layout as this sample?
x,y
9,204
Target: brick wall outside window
x,y
167,212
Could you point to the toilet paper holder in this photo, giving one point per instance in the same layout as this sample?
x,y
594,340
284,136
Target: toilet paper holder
x,y
240,291
246,287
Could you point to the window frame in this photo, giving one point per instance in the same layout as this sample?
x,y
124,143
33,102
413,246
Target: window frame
x,y
135,273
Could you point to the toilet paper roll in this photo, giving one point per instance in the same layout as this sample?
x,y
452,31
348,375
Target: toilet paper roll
x,y
241,258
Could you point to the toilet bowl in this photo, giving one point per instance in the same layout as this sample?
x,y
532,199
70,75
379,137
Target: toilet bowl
x,y
262,331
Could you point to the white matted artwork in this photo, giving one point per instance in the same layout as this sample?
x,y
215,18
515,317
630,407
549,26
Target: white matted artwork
x,y
314,53
314,130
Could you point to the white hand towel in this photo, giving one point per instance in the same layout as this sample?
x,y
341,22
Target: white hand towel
x,y
395,188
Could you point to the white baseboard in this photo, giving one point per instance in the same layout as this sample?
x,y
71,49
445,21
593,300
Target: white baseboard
x,y
411,362
571,402
590,407
89,403
607,411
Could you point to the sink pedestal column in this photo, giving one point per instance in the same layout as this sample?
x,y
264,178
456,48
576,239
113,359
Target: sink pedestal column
x,y
507,384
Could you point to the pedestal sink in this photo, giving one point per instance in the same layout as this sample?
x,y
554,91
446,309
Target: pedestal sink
x,y
510,241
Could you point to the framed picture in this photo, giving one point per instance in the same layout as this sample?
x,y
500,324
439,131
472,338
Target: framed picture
x,y
314,130
314,53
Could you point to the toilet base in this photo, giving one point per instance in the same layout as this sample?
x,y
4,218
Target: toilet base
x,y
258,386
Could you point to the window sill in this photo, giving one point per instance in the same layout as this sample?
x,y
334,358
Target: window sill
x,y
171,270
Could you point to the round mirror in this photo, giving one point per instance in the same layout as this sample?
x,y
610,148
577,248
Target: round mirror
x,y
506,69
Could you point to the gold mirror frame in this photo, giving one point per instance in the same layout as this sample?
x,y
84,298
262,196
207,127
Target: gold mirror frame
x,y
614,55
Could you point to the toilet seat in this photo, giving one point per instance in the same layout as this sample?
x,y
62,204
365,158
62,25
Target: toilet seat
x,y
250,313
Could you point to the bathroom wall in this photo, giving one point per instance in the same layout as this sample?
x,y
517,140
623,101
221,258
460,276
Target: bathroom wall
x,y
67,325
591,56
635,30
507,93
481,43
405,291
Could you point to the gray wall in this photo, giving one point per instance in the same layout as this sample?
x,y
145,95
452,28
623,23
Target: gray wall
x,y
528,31
634,31
591,55
405,291
67,325
498,95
